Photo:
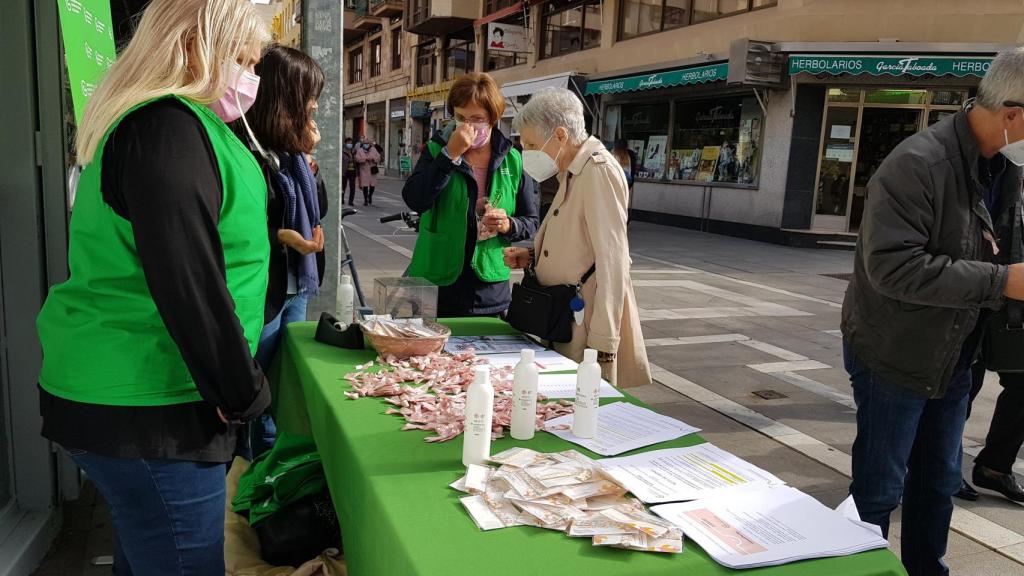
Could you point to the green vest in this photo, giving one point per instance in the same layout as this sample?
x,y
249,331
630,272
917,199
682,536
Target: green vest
x,y
102,337
441,245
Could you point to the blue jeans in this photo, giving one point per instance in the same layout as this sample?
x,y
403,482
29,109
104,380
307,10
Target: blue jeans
x,y
258,436
168,514
908,447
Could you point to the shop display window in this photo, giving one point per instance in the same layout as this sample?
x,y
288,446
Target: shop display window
x,y
713,140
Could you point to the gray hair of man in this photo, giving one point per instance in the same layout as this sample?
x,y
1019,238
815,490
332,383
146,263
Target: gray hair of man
x,y
551,108
1003,81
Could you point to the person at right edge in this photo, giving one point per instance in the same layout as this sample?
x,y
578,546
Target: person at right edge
x,y
148,365
475,200
924,272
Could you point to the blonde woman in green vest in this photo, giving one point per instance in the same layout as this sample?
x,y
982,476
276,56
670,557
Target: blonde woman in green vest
x,y
148,365
475,201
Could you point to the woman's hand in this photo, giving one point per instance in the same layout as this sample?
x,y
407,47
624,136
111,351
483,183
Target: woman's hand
x,y
295,241
517,258
497,219
461,140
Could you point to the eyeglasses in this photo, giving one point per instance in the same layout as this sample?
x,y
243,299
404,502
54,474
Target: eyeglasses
x,y
1013,104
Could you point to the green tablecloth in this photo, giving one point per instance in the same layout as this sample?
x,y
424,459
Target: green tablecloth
x,y
398,516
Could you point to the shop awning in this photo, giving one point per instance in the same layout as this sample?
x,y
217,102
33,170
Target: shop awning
x,y
679,77
837,64
525,87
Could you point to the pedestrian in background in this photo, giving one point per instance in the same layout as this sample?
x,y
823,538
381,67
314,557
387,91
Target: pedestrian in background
x,y
147,347
475,200
367,158
348,171
285,134
583,239
923,272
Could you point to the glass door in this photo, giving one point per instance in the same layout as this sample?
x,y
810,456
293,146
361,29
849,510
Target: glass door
x,y
835,168
881,129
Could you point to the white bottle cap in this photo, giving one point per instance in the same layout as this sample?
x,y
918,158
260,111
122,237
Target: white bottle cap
x,y
590,355
482,375
527,355
346,280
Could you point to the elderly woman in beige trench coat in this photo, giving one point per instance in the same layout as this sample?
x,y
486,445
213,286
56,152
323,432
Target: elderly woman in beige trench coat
x,y
586,225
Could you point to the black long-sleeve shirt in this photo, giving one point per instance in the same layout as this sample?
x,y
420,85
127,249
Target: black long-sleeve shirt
x,y
159,173
468,295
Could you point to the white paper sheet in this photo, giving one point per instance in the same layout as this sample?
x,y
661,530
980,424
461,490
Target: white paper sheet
x,y
490,344
547,361
768,527
564,386
677,474
622,427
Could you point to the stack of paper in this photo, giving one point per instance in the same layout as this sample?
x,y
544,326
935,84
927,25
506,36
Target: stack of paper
x,y
749,529
547,361
490,344
678,474
563,491
564,386
622,427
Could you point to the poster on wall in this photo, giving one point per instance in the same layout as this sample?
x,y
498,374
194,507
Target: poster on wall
x,y
655,160
683,164
708,163
88,46
507,37
637,146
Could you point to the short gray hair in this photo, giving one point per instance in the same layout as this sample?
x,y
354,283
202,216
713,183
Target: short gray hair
x,y
550,108
1003,81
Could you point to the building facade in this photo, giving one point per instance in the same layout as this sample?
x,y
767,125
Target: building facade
x,y
761,118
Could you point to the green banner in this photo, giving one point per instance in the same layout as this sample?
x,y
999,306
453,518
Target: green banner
x,y
889,65
681,77
88,46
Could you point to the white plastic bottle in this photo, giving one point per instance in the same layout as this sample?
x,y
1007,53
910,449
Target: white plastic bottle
x,y
588,394
476,439
345,300
524,397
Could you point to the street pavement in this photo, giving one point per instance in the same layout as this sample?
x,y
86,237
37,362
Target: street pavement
x,y
744,341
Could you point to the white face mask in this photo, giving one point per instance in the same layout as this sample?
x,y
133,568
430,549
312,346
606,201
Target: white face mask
x,y
538,164
1013,151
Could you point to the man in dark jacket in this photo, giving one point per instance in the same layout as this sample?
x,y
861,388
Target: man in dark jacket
x,y
923,273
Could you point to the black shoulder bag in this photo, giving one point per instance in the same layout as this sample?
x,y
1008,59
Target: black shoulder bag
x,y
1004,340
544,311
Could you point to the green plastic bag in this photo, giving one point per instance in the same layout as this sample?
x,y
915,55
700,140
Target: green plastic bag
x,y
290,471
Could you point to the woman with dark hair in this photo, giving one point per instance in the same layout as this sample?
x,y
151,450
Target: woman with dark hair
x,y
285,134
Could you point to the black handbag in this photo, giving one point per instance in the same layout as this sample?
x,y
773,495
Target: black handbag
x,y
1004,339
544,311
374,170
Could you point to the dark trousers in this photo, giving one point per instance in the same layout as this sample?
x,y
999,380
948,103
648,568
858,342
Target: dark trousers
x,y
349,180
908,447
1006,432
168,515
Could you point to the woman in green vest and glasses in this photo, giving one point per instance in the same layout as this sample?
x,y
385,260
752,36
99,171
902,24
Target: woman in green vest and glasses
x,y
148,365
475,201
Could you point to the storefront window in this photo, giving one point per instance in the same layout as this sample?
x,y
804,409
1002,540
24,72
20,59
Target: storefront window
x,y
949,97
570,27
844,94
458,58
376,58
355,66
425,64
717,140
895,96
645,128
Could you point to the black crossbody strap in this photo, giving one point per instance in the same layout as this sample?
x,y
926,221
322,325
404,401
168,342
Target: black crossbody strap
x,y
589,273
1015,309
